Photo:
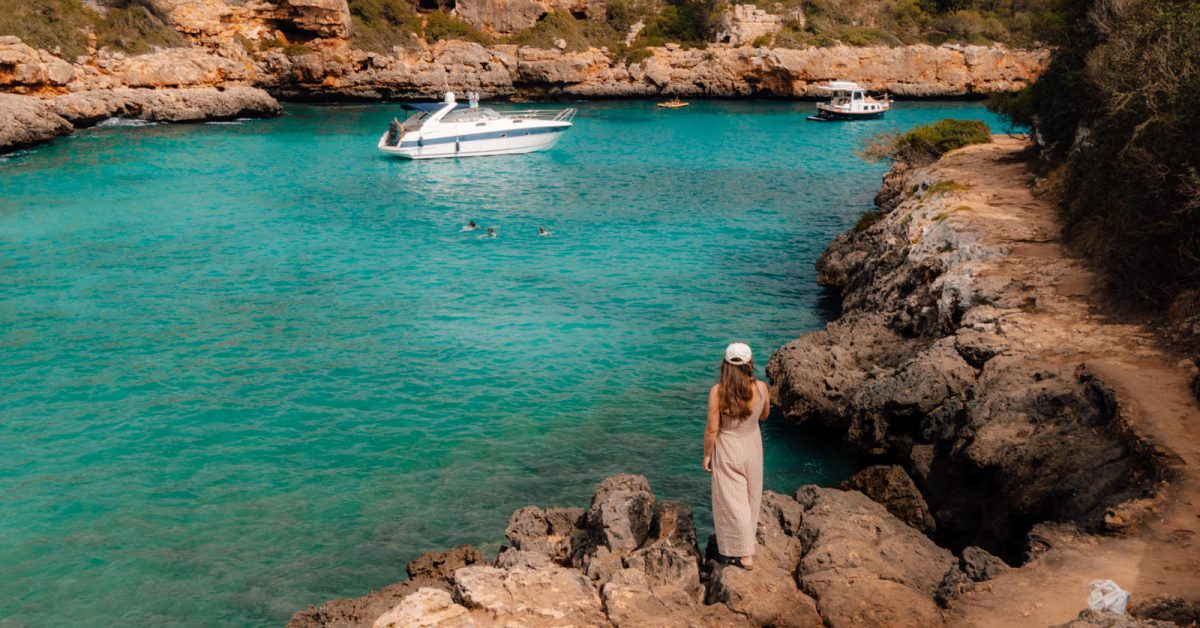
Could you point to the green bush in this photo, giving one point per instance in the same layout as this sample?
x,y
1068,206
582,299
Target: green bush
x,y
380,25
690,23
928,142
61,26
1117,113
439,26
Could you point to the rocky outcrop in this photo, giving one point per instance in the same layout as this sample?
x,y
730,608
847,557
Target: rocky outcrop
x,y
825,558
974,380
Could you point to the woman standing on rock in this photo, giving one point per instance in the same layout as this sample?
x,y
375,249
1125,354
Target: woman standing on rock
x,y
733,453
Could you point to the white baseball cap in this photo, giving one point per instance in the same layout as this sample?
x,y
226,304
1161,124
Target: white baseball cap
x,y
737,353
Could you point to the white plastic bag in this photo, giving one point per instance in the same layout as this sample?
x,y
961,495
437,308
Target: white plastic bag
x,y
1107,596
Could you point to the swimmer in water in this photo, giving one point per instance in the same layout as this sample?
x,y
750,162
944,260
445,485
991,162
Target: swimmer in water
x,y
471,226
542,231
491,232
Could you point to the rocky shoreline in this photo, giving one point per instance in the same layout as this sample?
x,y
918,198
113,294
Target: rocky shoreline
x,y
1004,464
240,58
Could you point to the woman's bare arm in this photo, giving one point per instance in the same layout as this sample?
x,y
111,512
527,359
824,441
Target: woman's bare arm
x,y
712,426
766,392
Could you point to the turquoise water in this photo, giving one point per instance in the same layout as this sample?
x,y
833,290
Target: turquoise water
x,y
251,367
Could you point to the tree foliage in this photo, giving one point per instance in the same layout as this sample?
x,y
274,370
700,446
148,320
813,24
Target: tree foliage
x,y
1118,113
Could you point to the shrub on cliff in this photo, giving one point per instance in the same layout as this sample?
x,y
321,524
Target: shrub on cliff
x,y
61,26
926,143
380,25
1118,115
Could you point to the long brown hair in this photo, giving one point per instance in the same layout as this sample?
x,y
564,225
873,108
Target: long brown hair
x,y
737,389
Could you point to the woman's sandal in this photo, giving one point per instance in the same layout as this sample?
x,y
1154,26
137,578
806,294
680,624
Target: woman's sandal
x,y
736,562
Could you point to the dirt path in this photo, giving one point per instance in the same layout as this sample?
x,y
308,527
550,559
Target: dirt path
x,y
1065,323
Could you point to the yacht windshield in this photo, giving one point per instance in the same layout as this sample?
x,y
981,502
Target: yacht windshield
x,y
415,121
471,115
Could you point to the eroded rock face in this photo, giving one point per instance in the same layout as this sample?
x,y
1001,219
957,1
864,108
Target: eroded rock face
x,y
166,105
553,532
25,70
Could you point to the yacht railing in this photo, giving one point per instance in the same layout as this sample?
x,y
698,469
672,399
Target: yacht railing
x,y
552,115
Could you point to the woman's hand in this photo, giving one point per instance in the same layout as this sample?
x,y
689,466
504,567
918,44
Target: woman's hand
x,y
708,464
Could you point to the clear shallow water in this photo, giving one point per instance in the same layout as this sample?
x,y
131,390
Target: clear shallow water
x,y
250,367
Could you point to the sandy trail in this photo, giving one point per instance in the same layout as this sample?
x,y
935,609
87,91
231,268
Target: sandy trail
x,y
1066,323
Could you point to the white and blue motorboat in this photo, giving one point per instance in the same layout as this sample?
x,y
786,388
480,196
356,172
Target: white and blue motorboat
x,y
453,129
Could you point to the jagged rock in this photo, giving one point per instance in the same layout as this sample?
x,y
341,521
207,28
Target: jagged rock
x,y
554,532
954,584
618,520
890,485
426,607
553,596
1107,619
1167,608
863,565
980,566
440,566
316,18
26,120
632,601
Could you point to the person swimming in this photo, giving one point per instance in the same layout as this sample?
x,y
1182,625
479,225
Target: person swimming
x,y
471,226
491,232
542,231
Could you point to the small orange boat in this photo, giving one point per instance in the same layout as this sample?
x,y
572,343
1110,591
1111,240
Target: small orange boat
x,y
674,103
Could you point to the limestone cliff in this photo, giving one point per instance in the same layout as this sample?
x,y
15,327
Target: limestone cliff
x,y
302,49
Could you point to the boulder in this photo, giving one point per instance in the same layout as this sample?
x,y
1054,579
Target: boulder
x,y
617,523
27,120
890,486
553,596
554,532
863,565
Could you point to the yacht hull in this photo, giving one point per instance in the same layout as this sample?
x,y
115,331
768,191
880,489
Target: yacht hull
x,y
509,142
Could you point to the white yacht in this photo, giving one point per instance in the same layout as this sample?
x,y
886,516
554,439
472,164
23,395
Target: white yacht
x,y
453,129
850,102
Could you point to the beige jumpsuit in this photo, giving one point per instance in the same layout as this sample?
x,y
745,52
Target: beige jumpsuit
x,y
737,481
